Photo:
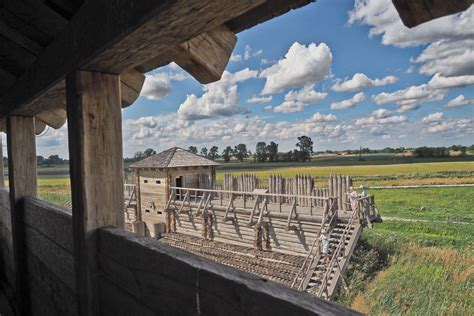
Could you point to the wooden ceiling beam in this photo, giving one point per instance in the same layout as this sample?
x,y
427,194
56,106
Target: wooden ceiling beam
x,y
415,12
130,33
38,15
19,39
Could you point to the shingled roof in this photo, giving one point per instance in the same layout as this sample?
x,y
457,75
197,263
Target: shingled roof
x,y
172,158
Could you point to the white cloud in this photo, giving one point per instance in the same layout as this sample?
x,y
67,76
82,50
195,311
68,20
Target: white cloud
x,y
318,117
268,108
359,81
434,117
260,99
344,104
450,38
289,107
249,52
458,101
158,84
301,66
454,126
435,90
380,117
306,95
219,99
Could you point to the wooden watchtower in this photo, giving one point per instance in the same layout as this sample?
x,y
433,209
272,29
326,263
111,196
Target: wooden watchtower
x,y
155,175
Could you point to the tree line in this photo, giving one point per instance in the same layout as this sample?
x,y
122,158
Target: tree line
x,y
263,152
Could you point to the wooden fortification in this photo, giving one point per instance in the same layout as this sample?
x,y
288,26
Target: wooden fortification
x,y
84,61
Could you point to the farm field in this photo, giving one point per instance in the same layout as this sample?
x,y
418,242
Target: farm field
x,y
378,175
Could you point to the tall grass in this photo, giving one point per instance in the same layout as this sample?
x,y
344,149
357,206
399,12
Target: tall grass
x,y
422,281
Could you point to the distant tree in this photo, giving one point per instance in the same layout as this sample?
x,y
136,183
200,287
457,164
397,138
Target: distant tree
x,y
193,149
39,160
305,144
214,152
204,151
149,152
272,152
463,150
227,153
240,152
261,152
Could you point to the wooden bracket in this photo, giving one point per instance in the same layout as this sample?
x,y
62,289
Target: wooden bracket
x,y
206,55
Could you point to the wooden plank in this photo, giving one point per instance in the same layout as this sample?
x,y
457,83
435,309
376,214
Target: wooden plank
x,y
22,181
2,173
95,151
52,221
19,39
146,268
415,12
206,55
129,35
57,259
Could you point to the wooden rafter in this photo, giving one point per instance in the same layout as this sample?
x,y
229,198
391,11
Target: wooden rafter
x,y
415,12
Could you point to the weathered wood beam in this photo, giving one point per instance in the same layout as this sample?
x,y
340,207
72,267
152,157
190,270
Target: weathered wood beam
x,y
95,151
54,117
19,39
206,55
130,33
2,176
131,83
415,12
22,182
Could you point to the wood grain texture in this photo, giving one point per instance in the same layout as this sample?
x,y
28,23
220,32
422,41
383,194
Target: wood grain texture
x,y
22,181
416,12
95,151
206,55
169,281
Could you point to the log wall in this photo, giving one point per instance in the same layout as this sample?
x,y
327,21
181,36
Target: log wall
x,y
7,262
142,276
49,258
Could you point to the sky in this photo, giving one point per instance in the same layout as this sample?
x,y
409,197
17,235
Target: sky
x,y
345,73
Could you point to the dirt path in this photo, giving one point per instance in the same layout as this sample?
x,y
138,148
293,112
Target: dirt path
x,y
391,218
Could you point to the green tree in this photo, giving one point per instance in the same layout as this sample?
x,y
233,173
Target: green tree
x,y
193,149
214,152
149,152
227,153
240,152
261,152
305,144
204,151
272,152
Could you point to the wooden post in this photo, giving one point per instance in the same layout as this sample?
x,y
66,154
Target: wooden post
x,y
95,151
2,177
22,182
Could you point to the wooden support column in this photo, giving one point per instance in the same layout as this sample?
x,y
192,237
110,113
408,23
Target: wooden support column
x,y
2,176
95,153
22,182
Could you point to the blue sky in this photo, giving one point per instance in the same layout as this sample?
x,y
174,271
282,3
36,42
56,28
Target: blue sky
x,y
346,74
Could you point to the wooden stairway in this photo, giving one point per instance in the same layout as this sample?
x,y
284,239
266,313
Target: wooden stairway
x,y
322,276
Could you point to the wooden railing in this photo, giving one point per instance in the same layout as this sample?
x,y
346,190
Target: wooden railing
x,y
260,202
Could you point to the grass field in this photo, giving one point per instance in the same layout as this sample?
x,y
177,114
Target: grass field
x,y
420,262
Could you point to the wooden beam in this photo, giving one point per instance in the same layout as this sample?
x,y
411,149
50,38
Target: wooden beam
x,y
19,39
206,55
2,173
22,182
131,83
130,33
54,117
95,153
415,12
